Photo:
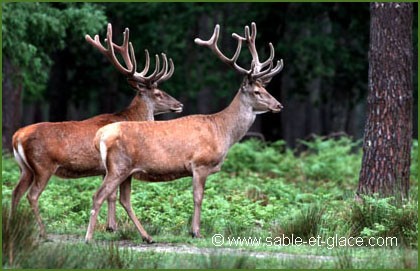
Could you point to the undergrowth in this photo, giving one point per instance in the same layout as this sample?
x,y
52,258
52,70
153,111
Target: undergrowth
x,y
263,189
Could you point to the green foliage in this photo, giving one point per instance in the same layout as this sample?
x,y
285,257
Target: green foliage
x,y
262,190
382,217
344,259
102,256
334,160
306,223
19,235
414,167
32,32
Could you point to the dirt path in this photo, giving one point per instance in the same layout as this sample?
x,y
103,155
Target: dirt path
x,y
189,249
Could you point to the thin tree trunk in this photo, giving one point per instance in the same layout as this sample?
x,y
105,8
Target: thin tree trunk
x,y
58,88
11,102
388,130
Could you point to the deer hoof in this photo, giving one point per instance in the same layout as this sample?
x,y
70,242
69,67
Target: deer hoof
x,y
148,240
196,235
111,229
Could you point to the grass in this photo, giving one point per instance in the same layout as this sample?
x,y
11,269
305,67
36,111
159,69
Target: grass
x,y
263,190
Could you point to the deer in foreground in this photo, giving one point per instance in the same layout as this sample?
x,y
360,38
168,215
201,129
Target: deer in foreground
x,y
66,149
194,145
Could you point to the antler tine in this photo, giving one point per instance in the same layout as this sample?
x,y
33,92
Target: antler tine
x,y
147,64
251,45
149,79
168,75
270,58
124,48
96,43
164,67
259,74
212,44
278,68
164,70
111,54
134,61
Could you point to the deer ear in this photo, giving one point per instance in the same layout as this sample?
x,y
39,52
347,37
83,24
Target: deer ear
x,y
265,82
136,86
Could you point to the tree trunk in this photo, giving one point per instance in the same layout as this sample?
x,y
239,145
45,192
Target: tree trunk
x,y
388,130
58,87
11,102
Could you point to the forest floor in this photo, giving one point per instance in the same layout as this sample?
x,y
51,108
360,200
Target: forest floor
x,y
184,248
309,194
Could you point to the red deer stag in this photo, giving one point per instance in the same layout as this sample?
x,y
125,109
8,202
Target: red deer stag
x,y
189,146
66,149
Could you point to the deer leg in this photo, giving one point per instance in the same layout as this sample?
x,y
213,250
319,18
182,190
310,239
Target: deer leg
x,y
199,181
112,221
25,181
108,186
39,183
125,200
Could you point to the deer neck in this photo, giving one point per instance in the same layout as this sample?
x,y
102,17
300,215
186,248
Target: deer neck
x,y
235,120
140,109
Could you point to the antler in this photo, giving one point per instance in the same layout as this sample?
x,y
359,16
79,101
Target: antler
x,y
127,52
212,44
256,71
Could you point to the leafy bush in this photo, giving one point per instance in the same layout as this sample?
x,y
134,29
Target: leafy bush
x,y
331,160
334,160
257,156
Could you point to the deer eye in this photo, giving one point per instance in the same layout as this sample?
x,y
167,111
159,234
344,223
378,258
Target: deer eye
x,y
257,92
158,95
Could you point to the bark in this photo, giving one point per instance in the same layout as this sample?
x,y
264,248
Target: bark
x,y
388,129
11,102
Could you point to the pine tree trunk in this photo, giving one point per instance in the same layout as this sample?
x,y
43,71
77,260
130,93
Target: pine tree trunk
x,y
12,90
388,129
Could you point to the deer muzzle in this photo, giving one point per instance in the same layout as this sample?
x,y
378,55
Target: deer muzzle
x,y
177,108
276,108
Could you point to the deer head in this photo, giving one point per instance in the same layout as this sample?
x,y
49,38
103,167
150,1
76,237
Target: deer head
x,y
257,77
146,86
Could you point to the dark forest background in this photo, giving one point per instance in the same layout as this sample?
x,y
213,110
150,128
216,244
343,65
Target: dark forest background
x,y
50,73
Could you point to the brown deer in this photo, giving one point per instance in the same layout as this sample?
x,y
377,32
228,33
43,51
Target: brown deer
x,y
66,149
194,145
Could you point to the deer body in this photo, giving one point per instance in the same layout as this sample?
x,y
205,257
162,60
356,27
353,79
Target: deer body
x,y
201,140
167,150
66,149
76,157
